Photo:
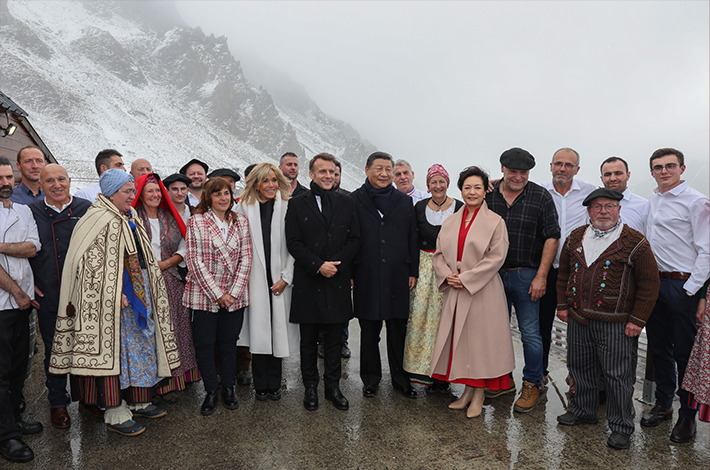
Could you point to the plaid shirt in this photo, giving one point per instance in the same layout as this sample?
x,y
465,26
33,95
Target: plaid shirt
x,y
217,266
531,220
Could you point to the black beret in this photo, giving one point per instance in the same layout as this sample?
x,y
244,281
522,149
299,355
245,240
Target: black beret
x,y
602,192
517,159
225,172
175,177
184,168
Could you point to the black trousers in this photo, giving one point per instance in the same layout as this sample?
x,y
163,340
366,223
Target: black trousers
x,y
56,384
309,353
548,309
209,328
14,355
370,364
266,370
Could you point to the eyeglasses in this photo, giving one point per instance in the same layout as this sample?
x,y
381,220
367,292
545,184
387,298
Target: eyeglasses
x,y
128,192
668,166
568,166
608,207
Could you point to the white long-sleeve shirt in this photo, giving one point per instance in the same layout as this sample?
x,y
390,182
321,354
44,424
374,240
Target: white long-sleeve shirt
x,y
678,227
634,211
17,225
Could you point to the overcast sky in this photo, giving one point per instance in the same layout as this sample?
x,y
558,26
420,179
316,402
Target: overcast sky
x,y
459,82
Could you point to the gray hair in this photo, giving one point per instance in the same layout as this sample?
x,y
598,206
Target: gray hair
x,y
402,162
569,150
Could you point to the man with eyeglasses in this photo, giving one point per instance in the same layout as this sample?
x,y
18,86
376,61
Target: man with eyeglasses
x,y
678,227
615,175
568,194
606,289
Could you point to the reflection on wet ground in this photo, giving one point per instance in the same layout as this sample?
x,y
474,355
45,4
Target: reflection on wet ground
x,y
385,432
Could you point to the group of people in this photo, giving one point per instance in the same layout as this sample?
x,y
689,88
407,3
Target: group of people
x,y
144,285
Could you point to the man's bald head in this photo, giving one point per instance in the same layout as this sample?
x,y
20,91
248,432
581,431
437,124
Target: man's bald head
x,y
140,167
54,181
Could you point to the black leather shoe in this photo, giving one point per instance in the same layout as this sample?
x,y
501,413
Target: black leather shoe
x,y
654,417
408,391
571,419
683,431
15,450
336,396
369,391
229,399
618,440
210,403
310,399
261,395
29,427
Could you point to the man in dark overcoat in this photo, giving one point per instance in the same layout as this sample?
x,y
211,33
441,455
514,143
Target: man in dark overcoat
x,y
323,236
384,271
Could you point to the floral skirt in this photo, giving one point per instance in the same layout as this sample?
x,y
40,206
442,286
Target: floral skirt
x,y
697,373
425,306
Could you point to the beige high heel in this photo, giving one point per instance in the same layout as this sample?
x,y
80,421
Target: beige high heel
x,y
461,403
476,406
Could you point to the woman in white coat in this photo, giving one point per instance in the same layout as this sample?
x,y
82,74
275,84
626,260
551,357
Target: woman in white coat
x,y
267,330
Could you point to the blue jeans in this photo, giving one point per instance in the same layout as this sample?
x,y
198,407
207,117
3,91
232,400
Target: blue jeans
x,y
517,285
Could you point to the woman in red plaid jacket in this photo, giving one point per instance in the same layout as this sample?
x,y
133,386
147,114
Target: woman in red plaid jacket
x,y
218,261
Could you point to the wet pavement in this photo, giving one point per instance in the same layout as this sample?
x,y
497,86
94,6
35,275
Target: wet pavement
x,y
385,432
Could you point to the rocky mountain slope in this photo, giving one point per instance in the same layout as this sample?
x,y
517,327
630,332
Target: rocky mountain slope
x,y
130,75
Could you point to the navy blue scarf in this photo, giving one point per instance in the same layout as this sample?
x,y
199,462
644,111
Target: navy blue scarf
x,y
380,197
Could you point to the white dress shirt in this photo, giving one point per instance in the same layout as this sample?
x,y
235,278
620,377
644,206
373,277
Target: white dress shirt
x,y
17,225
593,247
192,199
570,211
678,227
54,208
634,211
90,193
417,195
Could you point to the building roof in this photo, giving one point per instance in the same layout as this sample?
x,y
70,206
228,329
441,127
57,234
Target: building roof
x,y
9,105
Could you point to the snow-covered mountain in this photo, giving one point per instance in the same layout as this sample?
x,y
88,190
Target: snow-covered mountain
x,y
130,75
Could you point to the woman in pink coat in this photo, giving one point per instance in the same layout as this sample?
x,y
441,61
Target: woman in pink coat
x,y
473,346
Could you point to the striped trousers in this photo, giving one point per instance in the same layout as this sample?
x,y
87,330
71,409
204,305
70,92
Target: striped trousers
x,y
603,345
106,391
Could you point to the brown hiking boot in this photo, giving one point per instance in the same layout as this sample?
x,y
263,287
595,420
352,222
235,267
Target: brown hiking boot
x,y
529,397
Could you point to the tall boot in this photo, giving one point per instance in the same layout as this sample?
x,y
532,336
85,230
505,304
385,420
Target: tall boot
x,y
476,406
461,403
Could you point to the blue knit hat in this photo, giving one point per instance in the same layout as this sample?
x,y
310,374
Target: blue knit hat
x,y
112,180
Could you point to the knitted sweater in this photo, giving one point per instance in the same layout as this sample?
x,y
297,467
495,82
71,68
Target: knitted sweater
x,y
621,285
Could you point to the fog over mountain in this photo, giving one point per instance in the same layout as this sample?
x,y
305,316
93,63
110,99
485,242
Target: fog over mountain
x,y
130,75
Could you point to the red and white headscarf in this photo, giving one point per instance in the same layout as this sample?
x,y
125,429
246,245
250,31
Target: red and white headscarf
x,y
437,170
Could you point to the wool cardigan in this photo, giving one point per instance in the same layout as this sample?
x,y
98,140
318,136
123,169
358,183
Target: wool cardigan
x,y
621,285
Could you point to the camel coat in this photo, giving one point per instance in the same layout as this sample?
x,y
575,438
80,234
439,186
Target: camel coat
x,y
483,347
267,329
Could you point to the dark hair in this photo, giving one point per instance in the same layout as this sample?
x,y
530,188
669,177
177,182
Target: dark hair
x,y
104,158
5,162
287,154
19,154
667,151
612,160
378,156
248,169
472,171
337,163
322,156
212,186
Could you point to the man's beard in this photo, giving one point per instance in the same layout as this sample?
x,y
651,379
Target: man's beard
x,y
197,186
5,192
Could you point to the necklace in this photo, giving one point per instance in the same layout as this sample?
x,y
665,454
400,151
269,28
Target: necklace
x,y
442,202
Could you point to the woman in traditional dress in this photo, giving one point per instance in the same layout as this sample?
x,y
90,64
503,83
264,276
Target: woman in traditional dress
x,y
426,299
218,262
697,373
166,230
114,330
474,346
268,331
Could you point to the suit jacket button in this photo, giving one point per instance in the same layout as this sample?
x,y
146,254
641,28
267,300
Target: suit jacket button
x,y
382,223
383,242
384,260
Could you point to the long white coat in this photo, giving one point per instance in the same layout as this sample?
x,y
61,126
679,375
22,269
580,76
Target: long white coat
x,y
266,331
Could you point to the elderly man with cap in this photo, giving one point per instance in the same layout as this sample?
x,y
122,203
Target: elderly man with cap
x,y
607,285
177,186
114,331
533,231
196,170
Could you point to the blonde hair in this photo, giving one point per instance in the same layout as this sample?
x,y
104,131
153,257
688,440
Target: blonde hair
x,y
258,175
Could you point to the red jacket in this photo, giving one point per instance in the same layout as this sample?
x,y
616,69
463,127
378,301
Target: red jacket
x,y
216,266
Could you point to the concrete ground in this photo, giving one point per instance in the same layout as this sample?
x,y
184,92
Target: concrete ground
x,y
385,432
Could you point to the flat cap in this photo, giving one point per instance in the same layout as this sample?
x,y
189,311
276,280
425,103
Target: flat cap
x,y
225,172
517,159
603,192
175,177
184,168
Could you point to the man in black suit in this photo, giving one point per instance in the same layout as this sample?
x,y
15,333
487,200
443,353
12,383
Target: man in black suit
x,y
323,235
384,271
